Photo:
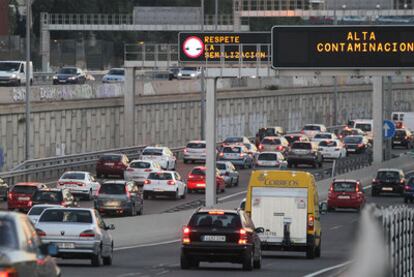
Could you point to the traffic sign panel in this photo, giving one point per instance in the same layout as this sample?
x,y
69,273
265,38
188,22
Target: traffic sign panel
x,y
388,129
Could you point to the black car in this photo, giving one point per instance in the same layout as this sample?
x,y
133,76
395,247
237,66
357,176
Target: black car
x,y
69,75
402,137
409,191
221,236
356,144
388,180
61,197
304,152
21,250
120,198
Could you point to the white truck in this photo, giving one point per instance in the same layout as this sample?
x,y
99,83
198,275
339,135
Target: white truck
x,y
14,73
405,118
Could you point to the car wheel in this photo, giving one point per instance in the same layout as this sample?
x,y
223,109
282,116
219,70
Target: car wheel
x,y
222,190
331,209
374,193
184,193
108,260
237,182
314,165
257,264
320,164
311,251
248,261
96,260
189,190
90,196
141,210
145,196
289,165
405,200
184,262
177,195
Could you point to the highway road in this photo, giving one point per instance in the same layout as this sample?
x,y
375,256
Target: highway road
x,y
339,233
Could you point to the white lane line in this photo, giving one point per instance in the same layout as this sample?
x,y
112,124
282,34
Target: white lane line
x,y
327,269
146,245
162,272
232,195
336,227
130,274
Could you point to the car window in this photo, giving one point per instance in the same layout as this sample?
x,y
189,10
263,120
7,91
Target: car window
x,y
71,71
267,157
160,176
177,176
48,196
344,186
388,175
231,149
353,139
140,165
24,189
199,145
328,143
233,140
116,72
312,128
198,171
73,176
323,136
271,141
225,220
400,133
37,210
301,145
8,234
152,152
112,158
66,216
112,188
99,220
221,166
366,127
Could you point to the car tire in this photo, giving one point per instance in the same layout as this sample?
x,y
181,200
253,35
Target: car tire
x,y
185,161
90,196
96,259
320,164
190,191
331,209
132,212
289,165
184,193
374,193
222,190
310,252
315,165
405,200
257,264
177,195
141,211
248,261
108,260
184,262
237,182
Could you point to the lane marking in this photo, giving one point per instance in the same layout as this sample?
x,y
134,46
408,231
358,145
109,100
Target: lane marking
x,y
367,187
336,227
232,195
327,269
130,274
146,245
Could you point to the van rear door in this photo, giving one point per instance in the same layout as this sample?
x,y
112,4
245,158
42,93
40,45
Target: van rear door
x,y
280,211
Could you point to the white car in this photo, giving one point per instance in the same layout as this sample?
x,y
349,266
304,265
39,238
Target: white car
x,y
195,151
162,155
36,210
271,159
114,75
332,149
138,170
324,136
228,172
188,73
79,183
310,130
165,183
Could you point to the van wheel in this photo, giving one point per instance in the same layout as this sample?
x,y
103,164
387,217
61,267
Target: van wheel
x,y
310,252
318,249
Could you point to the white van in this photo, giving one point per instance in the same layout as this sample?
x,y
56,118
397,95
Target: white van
x,y
366,125
406,118
14,73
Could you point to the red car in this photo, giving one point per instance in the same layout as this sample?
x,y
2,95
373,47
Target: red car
x,y
111,164
20,195
196,180
346,194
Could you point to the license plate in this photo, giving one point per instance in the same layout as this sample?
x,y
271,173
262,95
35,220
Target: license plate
x,y
109,164
267,163
344,197
351,150
112,203
24,198
65,245
158,189
387,189
214,238
397,142
200,185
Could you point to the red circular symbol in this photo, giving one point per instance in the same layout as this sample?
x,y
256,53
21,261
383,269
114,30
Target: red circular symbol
x,y
193,47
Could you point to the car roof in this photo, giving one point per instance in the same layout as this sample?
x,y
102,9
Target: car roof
x,y
269,152
206,210
362,120
47,205
389,169
121,182
164,171
155,147
324,133
33,184
73,208
272,137
117,68
199,167
83,172
346,180
312,124
50,189
354,136
197,141
142,160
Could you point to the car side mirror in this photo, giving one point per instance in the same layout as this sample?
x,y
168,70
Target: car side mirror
x,y
259,230
323,208
110,227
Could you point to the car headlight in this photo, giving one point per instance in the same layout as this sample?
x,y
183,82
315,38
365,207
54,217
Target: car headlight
x,y
192,74
72,78
13,76
55,77
180,74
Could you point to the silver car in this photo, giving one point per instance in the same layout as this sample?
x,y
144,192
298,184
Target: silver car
x,y
228,172
79,233
36,210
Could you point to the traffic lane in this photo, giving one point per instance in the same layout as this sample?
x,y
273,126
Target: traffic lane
x,y
163,260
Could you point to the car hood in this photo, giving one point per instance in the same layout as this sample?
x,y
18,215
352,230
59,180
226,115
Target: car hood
x,y
118,77
64,76
7,73
188,72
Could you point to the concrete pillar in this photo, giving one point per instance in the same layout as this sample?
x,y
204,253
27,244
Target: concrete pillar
x,y
377,116
236,15
211,142
45,42
129,107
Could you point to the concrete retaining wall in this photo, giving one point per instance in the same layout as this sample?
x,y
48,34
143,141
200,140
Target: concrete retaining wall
x,y
76,126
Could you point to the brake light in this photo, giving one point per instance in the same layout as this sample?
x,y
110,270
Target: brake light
x,y
261,146
186,235
40,233
360,145
8,272
221,154
406,137
29,204
185,150
147,182
374,181
243,236
406,187
242,154
148,170
10,195
216,212
87,234
279,148
191,176
128,194
130,169
331,188
402,181
311,222
171,182
357,188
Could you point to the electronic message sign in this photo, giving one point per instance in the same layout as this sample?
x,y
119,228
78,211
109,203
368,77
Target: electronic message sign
x,y
214,47
342,47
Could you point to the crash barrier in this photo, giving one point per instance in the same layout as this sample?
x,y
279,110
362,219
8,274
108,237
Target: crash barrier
x,y
351,163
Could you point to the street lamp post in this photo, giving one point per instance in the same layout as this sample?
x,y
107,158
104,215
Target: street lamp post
x,y
28,68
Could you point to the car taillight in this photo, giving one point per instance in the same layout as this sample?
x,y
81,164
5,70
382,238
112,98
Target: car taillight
x,y
87,234
186,235
147,182
242,154
402,181
29,204
8,272
406,137
191,176
185,150
406,187
360,145
129,169
374,181
311,222
40,233
261,146
10,195
128,194
243,236
171,182
221,154
148,170
279,148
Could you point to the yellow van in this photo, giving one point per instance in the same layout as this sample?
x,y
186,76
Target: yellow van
x,y
286,205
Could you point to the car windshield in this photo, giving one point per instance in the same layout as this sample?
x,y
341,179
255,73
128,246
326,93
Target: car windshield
x,y
301,145
323,136
9,66
345,133
152,152
353,140
344,187
366,127
24,189
233,140
411,182
38,210
160,176
73,176
111,158
221,166
198,171
271,141
66,216
388,175
231,150
48,197
199,145
312,128
327,143
112,188
71,71
216,220
270,132
291,139
400,133
119,72
190,68
140,165
8,234
267,157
